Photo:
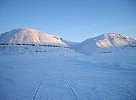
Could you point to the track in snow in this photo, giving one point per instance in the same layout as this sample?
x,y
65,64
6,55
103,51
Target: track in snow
x,y
72,90
37,90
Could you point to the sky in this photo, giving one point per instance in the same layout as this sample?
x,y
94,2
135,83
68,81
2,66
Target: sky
x,y
74,20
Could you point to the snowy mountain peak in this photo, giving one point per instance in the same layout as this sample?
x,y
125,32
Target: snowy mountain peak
x,y
112,40
113,35
29,36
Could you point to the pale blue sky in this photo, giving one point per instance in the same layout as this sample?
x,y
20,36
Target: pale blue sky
x,y
74,20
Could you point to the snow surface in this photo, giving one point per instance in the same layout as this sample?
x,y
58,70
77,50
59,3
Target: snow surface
x,y
35,50
55,77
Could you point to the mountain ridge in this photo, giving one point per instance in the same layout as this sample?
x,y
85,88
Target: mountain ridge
x,y
105,43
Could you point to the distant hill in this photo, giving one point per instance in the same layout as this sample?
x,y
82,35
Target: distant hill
x,y
106,43
70,43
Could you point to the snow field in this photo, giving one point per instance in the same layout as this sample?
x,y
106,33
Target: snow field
x,y
40,77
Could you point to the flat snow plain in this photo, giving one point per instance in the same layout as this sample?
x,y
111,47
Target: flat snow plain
x,y
41,77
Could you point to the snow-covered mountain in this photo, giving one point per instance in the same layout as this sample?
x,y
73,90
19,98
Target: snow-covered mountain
x,y
30,41
29,36
106,43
